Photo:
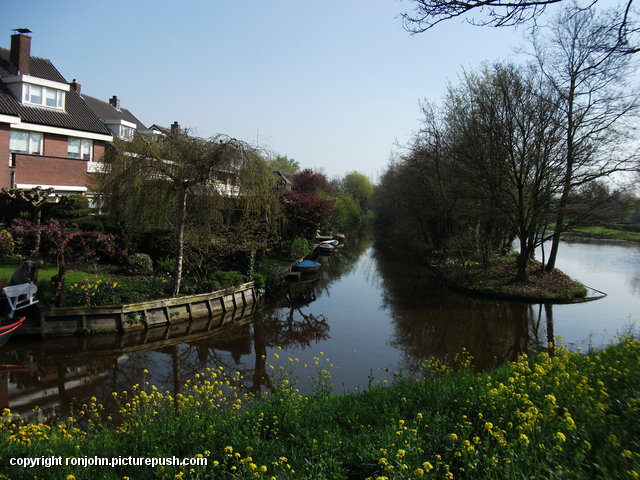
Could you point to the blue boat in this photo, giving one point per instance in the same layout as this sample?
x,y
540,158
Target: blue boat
x,y
306,266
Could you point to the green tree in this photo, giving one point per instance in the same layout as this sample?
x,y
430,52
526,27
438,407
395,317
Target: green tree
x,y
288,166
347,213
359,187
168,182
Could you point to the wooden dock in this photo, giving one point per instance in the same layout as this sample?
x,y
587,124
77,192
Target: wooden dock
x,y
140,315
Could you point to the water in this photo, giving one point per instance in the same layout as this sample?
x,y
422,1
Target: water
x,y
369,317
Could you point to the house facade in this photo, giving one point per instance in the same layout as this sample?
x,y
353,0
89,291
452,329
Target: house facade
x,y
49,137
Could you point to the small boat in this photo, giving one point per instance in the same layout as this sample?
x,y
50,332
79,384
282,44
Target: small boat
x,y
7,330
333,242
306,266
326,248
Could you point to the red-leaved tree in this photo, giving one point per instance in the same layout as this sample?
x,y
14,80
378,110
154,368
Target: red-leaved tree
x,y
68,246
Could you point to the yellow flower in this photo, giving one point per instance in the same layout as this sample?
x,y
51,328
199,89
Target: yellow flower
x,y
561,437
488,426
627,454
427,466
419,472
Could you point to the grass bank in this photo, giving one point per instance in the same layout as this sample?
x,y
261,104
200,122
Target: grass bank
x,y
568,416
607,233
497,280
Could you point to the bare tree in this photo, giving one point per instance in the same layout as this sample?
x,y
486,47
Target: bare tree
x,y
501,13
506,141
580,55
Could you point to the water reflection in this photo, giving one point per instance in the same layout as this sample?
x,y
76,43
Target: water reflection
x,y
433,322
371,314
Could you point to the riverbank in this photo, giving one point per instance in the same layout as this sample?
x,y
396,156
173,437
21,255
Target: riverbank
x,y
497,281
563,416
607,233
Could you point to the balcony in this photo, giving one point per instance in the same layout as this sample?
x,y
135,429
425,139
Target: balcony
x,y
61,173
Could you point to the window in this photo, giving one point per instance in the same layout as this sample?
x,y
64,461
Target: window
x,y
80,148
25,142
126,133
45,96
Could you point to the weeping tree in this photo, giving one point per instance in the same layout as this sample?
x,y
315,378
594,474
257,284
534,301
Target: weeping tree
x,y
182,183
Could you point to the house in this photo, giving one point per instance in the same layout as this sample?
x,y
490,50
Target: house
x,y
49,137
284,184
121,122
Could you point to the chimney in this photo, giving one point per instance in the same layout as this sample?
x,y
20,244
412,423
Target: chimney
x,y
175,128
76,86
115,102
21,51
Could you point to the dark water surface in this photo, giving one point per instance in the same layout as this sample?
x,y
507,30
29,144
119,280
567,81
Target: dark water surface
x,y
367,317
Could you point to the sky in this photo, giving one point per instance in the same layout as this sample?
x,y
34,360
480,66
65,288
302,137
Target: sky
x,y
335,84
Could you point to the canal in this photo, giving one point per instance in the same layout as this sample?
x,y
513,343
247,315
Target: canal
x,y
366,318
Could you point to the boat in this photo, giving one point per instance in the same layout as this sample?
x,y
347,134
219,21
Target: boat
x,y
333,242
306,266
326,248
7,330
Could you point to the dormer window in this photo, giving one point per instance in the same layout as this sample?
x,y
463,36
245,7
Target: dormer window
x,y
37,92
43,96
126,133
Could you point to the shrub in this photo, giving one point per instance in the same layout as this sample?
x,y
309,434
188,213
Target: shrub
x,y
222,279
100,292
6,243
300,247
115,292
166,265
260,279
140,263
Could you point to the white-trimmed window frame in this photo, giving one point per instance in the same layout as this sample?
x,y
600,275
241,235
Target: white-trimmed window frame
x,y
33,139
31,93
85,150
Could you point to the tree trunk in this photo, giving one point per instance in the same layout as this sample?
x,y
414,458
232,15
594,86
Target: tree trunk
x,y
38,220
181,214
523,262
568,178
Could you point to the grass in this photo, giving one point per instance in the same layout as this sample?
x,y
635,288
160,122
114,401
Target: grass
x,y
602,232
96,288
563,416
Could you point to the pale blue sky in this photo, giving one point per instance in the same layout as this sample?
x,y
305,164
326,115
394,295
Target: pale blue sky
x,y
333,84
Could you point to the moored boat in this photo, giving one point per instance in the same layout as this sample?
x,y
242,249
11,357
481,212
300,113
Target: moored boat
x,y
7,330
306,266
325,248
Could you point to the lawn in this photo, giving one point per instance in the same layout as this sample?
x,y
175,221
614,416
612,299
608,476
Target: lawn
x,y
602,232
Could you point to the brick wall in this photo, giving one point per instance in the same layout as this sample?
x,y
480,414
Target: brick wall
x,y
46,170
5,173
52,168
